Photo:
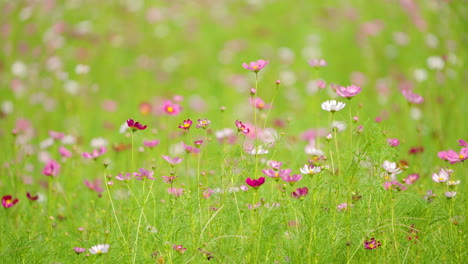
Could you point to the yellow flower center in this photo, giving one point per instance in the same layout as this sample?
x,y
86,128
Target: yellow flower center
x,y
461,156
441,178
371,246
8,201
276,174
99,252
170,109
255,67
186,125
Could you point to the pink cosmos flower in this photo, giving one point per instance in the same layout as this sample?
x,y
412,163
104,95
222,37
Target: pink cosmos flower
x,y
317,63
79,250
169,179
207,193
190,149
203,123
56,135
175,191
255,66
95,185
259,103
450,195
241,127
277,174
255,183
275,164
172,161
393,142
412,178
463,143
52,168
64,152
412,97
348,91
171,108
179,248
292,178
300,193
124,177
143,174
343,207
95,153
8,201
244,188
443,176
135,126
454,157
394,185
186,124
151,143
372,244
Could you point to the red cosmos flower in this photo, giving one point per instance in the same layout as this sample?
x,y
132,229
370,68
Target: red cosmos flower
x,y
32,198
255,183
8,201
186,124
134,126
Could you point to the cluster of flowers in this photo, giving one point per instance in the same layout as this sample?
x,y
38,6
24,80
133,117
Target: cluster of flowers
x,y
95,250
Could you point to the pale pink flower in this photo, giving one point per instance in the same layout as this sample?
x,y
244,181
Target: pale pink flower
x,y
276,174
348,91
151,143
275,164
95,153
259,103
56,135
292,178
443,175
172,161
95,185
393,142
169,179
64,152
255,66
317,63
412,178
175,191
124,177
412,97
171,108
143,174
394,186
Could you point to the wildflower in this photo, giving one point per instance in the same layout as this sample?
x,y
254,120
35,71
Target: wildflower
x,y
450,195
244,188
8,201
393,142
453,183
276,174
454,157
169,179
32,198
56,135
413,234
95,185
99,249
429,197
259,103
172,161
416,150
332,106
175,191
52,168
275,165
391,168
371,244
255,183
443,175
207,193
203,123
317,63
151,143
145,108
300,193
292,179
394,185
412,97
258,151
190,149
338,126
310,169
198,143
255,66
171,108
348,91
186,124
79,250
343,207
135,126
241,127
99,142
463,143
64,152
122,177
412,178
144,174
95,153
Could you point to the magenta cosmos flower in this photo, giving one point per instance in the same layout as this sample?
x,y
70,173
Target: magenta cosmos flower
x,y
8,201
255,66
255,183
52,168
134,126
393,142
300,193
371,244
203,123
463,143
95,153
175,191
454,157
143,174
186,124
348,91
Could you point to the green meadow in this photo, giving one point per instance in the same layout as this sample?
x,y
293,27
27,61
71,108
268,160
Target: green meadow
x,y
268,131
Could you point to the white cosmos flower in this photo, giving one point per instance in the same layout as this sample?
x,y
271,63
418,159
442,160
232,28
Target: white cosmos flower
x,y
99,249
443,175
332,106
391,167
450,195
308,169
311,150
258,151
452,183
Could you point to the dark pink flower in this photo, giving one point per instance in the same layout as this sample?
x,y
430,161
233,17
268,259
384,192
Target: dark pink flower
x,y
241,127
95,153
393,142
151,143
371,244
300,193
412,178
32,198
255,183
179,248
8,201
171,108
135,126
190,149
255,66
416,150
454,157
52,168
348,91
186,124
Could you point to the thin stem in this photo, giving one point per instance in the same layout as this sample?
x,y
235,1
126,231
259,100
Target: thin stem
x,y
113,207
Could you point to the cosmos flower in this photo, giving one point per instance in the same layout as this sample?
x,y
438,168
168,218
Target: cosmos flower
x,y
412,178
175,191
343,207
259,103
144,174
391,167
332,106
172,161
79,250
241,127
310,169
171,108
95,153
52,168
348,91
292,178
276,174
393,142
203,123
255,183
454,157
450,195
394,186
8,201
135,126
412,97
95,185
32,198
317,63
151,143
124,177
255,66
443,175
371,244
186,124
99,249
300,193
179,248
